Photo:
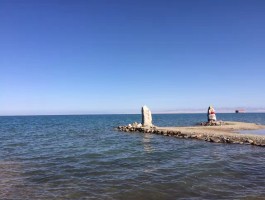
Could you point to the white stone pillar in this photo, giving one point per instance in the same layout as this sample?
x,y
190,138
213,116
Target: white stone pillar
x,y
146,117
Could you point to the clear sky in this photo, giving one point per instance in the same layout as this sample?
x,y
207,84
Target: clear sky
x,y
113,56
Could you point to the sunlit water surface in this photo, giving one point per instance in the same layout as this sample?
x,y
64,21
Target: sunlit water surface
x,y
83,157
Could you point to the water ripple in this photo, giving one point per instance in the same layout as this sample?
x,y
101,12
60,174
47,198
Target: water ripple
x,y
81,157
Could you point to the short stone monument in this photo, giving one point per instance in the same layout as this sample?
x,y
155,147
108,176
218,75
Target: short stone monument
x,y
211,114
146,117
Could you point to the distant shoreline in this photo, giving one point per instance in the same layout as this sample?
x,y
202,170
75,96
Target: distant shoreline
x,y
164,113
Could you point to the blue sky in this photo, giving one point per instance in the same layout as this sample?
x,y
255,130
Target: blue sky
x,y
113,56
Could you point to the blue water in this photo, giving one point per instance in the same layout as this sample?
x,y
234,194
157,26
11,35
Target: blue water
x,y
83,157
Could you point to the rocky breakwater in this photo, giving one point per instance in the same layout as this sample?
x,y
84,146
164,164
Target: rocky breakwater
x,y
227,133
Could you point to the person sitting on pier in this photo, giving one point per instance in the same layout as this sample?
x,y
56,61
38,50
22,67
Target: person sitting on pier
x,y
211,114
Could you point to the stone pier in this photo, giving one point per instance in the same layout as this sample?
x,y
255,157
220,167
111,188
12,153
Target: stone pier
x,y
226,133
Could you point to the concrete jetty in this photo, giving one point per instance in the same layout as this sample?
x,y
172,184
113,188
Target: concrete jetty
x,y
227,132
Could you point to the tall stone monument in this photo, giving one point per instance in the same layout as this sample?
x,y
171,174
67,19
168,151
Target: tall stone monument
x,y
146,117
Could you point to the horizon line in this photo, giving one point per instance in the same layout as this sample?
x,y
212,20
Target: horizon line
x,y
155,113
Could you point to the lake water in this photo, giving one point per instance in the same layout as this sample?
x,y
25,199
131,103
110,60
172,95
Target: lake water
x,y
83,157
